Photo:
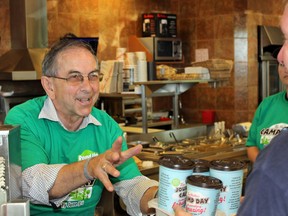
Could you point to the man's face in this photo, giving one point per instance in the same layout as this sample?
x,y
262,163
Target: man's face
x,y
283,54
283,74
75,101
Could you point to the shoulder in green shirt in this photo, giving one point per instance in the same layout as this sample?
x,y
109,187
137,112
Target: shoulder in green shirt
x,y
269,119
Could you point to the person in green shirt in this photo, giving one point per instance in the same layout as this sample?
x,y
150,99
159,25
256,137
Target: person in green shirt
x,y
71,150
269,118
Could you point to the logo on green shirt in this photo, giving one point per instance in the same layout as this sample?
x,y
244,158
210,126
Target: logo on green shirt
x,y
77,197
267,134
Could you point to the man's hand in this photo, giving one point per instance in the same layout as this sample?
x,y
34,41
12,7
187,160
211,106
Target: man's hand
x,y
103,165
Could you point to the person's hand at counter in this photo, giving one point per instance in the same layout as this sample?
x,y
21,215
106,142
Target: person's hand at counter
x,y
179,211
252,153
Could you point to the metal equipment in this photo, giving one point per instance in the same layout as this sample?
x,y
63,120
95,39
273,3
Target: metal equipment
x,y
10,173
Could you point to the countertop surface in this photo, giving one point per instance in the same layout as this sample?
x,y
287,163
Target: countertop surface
x,y
138,129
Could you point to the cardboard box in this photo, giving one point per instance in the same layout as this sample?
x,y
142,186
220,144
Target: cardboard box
x,y
159,25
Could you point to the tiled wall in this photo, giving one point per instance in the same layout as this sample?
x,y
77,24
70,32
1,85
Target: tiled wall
x,y
227,28
4,27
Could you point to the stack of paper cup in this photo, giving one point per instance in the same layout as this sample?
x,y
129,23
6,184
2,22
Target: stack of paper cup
x,y
132,74
173,172
141,66
142,70
120,54
130,58
130,63
140,56
230,172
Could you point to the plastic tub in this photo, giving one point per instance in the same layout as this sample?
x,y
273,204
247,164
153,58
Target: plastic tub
x,y
208,116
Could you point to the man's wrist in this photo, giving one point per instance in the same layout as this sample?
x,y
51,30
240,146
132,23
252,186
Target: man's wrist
x,y
85,171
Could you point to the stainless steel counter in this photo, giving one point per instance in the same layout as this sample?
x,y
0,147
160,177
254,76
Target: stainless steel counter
x,y
236,153
200,146
203,151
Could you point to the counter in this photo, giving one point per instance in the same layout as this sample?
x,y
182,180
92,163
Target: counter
x,y
138,130
223,152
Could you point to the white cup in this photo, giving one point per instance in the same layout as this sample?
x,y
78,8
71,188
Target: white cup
x,y
141,56
130,58
120,53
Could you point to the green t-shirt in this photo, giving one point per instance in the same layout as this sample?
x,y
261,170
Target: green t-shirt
x,y
46,141
270,117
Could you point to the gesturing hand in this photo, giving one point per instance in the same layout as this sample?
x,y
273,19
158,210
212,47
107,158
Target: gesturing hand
x,y
105,163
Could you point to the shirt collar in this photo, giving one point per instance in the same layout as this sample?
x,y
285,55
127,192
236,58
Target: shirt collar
x,y
48,111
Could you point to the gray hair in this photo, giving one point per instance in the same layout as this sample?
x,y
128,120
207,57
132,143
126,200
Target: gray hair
x,y
49,64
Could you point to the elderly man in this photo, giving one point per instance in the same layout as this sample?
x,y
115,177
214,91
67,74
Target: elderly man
x,y
70,149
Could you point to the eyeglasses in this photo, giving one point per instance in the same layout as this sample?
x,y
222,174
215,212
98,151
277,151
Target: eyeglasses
x,y
78,78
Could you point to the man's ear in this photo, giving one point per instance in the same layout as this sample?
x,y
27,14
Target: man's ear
x,y
48,86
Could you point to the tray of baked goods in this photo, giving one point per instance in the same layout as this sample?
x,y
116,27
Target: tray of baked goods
x,y
204,70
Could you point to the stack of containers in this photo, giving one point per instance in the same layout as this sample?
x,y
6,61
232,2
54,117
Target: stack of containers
x,y
120,53
134,70
203,188
120,57
202,195
173,172
141,70
129,71
141,66
202,167
230,172
221,185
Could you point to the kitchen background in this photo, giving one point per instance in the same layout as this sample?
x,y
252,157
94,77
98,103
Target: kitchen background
x,y
228,28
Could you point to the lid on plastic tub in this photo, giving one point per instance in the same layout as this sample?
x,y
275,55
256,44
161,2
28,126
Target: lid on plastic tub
x,y
177,162
201,165
227,165
204,181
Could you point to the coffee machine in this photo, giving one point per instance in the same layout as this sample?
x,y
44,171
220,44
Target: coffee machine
x,y
11,199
